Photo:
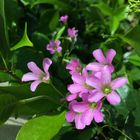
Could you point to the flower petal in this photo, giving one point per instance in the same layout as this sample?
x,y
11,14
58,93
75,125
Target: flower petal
x,y
29,77
78,123
87,117
98,116
70,115
71,97
94,66
93,82
110,55
113,98
34,68
34,85
46,64
58,42
59,49
75,88
111,68
119,82
80,107
95,97
77,78
106,76
72,64
99,56
84,73
99,105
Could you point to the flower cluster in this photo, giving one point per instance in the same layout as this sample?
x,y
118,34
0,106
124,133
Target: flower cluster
x,y
90,88
91,84
54,45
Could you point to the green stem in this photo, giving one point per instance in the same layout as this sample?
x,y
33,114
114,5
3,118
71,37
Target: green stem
x,y
118,131
98,128
56,90
4,62
29,100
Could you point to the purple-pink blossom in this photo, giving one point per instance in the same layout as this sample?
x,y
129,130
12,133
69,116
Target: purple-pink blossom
x,y
37,75
54,46
75,116
105,87
72,32
64,18
74,66
91,88
79,85
84,112
102,60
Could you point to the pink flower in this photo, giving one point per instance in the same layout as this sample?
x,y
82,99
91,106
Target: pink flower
x,y
54,46
64,18
90,111
74,66
79,86
37,75
75,116
83,113
72,32
99,56
104,87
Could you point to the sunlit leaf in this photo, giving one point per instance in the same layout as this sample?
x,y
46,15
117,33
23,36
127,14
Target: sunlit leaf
x,y
23,42
41,128
60,32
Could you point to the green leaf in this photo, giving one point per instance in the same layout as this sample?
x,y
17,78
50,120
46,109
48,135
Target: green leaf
x,y
39,40
121,12
133,39
41,128
7,106
40,106
121,2
60,32
134,74
134,59
114,24
4,77
105,9
53,2
51,17
54,21
23,42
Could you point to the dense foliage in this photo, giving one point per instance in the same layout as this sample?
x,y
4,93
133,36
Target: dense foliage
x,y
26,29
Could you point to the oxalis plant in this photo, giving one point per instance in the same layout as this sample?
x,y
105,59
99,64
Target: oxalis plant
x,y
70,69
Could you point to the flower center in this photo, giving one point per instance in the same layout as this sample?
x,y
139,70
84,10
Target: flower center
x,y
78,113
42,77
55,48
107,90
88,87
93,105
78,69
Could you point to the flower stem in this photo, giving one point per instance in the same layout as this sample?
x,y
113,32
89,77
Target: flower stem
x,y
56,90
29,100
118,131
4,62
